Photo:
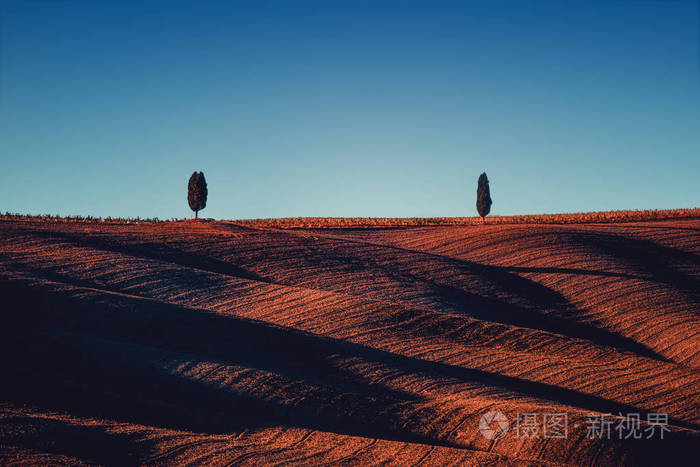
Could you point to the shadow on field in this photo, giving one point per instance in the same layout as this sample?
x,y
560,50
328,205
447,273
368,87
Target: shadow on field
x,y
90,444
489,293
109,355
492,293
659,262
119,357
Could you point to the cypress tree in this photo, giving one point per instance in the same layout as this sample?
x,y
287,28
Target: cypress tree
x,y
483,197
197,192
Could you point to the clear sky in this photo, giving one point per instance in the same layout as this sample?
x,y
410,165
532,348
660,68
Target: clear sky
x,y
331,108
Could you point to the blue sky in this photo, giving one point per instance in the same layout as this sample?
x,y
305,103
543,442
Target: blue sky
x,y
364,108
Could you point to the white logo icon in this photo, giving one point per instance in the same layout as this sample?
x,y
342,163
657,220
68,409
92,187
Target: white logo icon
x,y
493,425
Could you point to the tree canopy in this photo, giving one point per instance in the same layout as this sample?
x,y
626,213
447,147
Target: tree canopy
x,y
197,192
483,196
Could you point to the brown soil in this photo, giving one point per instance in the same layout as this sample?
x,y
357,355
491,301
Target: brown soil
x,y
219,343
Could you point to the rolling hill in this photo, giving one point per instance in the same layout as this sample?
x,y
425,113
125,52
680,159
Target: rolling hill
x,y
227,343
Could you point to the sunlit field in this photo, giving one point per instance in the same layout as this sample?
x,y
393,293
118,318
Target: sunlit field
x,y
240,342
